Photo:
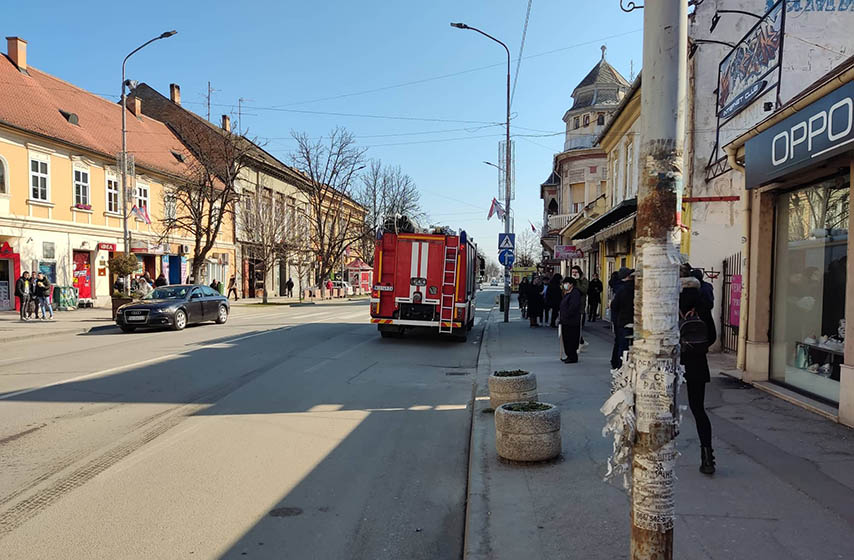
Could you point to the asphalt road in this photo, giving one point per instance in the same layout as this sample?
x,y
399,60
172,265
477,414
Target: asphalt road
x,y
285,433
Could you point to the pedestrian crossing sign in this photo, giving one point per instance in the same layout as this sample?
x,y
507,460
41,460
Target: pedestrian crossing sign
x,y
506,241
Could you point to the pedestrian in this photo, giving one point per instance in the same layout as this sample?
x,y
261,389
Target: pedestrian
x,y
24,291
148,279
582,285
622,314
696,333
119,285
571,310
524,286
161,281
535,302
232,287
553,299
214,285
42,292
290,287
143,288
594,296
707,291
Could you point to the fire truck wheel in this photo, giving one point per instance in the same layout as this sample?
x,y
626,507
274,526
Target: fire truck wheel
x,y
460,336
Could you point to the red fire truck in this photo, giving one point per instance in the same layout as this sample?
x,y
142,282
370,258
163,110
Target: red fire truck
x,y
424,280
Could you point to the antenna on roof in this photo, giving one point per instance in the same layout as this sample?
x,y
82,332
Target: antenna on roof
x,y
604,48
632,71
210,91
240,113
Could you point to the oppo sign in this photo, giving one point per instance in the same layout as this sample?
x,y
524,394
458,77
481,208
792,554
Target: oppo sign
x,y
822,130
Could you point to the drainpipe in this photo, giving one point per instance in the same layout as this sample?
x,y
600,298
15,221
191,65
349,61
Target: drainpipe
x,y
740,356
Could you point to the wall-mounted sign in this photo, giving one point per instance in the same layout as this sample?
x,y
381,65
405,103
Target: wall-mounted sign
x,y
567,252
820,131
107,247
742,73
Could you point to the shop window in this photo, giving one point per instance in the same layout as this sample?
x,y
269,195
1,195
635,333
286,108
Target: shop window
x,y
112,195
810,262
39,176
81,187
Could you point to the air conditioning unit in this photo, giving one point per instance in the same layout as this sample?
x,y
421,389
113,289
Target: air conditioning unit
x,y
185,249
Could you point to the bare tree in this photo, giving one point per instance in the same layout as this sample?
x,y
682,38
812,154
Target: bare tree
x,y
199,206
527,248
386,191
329,167
492,269
263,224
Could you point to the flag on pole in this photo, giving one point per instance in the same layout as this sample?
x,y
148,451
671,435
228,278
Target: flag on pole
x,y
534,229
492,208
145,217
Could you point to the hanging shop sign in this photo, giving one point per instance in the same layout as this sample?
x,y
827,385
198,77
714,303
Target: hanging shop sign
x,y
823,129
567,252
107,247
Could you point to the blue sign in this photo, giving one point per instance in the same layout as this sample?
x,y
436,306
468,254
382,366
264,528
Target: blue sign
x,y
506,257
506,241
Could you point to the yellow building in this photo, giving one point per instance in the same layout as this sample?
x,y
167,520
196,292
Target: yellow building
x,y
60,203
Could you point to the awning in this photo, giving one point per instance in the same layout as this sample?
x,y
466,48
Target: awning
x,y
609,218
624,225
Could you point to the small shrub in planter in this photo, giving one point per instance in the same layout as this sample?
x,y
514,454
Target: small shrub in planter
x,y
511,386
527,431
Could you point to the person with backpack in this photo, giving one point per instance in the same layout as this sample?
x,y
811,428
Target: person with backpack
x,y
696,333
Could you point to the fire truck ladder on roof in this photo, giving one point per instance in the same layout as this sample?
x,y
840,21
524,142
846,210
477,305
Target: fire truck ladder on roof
x,y
449,284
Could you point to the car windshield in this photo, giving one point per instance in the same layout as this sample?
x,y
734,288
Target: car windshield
x,y
168,292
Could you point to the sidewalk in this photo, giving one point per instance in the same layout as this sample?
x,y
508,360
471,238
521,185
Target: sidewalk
x,y
784,486
280,300
64,322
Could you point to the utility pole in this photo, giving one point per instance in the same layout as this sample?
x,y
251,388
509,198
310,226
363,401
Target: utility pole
x,y
654,357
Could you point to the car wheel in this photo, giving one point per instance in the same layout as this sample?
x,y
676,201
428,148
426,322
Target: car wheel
x,y
222,315
127,329
180,320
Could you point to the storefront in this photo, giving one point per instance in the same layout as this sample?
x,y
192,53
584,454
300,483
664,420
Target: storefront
x,y
797,167
10,270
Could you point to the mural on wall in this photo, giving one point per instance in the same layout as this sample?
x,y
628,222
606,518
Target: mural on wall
x,y
817,5
745,72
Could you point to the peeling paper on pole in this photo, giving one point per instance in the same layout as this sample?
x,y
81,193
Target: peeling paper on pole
x,y
660,286
620,423
654,480
655,390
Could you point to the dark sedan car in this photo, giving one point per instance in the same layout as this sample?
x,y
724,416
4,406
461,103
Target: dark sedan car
x,y
174,306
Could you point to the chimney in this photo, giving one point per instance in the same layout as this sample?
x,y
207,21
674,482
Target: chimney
x,y
226,123
134,104
17,50
175,93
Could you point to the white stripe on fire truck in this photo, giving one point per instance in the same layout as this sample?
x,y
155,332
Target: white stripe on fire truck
x,y
425,252
413,269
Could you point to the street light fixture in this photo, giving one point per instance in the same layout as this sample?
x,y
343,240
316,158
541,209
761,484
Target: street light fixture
x,y
506,165
124,164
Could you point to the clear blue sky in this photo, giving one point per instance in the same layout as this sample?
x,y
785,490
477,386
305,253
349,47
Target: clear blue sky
x,y
291,55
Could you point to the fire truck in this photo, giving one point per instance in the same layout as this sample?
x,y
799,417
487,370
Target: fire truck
x,y
424,280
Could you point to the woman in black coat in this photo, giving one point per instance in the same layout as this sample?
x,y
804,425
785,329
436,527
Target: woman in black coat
x,y
535,302
693,357
553,297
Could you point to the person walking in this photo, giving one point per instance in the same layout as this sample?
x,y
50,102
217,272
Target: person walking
x,y
594,295
24,291
161,281
148,279
553,299
524,287
535,302
571,309
232,287
582,285
622,314
696,333
290,287
42,292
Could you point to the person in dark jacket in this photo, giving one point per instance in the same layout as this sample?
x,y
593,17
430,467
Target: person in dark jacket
x,y
161,281
535,302
42,296
622,314
553,299
571,308
706,289
24,291
594,295
693,357
290,287
524,287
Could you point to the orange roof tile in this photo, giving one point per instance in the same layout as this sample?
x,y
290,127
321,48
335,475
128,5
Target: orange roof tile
x,y
33,103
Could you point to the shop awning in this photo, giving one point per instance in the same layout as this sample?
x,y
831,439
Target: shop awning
x,y
609,218
624,225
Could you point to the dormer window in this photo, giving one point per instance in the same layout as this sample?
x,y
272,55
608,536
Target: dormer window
x,y
178,156
600,119
586,120
575,123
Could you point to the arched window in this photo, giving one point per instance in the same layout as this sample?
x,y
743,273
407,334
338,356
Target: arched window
x,y
4,176
553,207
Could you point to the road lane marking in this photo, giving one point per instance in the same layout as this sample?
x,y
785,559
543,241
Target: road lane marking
x,y
89,375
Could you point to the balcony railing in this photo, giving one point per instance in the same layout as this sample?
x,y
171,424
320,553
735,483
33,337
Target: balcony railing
x,y
559,221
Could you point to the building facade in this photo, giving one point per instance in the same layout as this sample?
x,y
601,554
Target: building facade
x,y
60,202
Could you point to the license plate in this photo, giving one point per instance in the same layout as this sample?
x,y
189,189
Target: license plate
x,y
384,288
136,317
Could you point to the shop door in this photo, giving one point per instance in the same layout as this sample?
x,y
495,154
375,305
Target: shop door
x,y
82,275
175,270
6,285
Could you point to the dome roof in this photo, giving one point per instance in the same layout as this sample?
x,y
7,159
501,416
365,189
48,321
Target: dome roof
x,y
600,86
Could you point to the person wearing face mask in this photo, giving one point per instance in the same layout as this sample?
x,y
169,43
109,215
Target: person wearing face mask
x,y
571,308
582,285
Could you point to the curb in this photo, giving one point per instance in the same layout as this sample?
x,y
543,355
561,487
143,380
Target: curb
x,y
43,334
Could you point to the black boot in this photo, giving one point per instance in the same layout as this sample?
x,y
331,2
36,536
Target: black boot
x,y
707,460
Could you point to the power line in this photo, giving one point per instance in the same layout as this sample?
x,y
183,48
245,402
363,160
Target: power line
x,y
521,49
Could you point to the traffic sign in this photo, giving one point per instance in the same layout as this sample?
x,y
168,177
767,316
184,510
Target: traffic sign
x,y
506,257
506,241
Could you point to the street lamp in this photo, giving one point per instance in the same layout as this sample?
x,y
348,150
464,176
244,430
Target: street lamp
x,y
164,35
506,165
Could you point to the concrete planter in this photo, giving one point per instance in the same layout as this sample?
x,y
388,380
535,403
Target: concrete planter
x,y
118,302
532,435
511,388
